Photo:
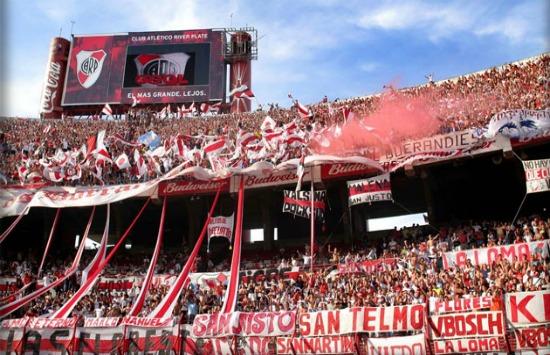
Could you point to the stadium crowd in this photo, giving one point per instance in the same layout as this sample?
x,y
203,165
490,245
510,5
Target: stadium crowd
x,y
410,272
68,152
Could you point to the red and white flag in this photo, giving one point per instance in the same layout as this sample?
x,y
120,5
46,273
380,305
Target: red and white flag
x,y
100,152
246,94
107,110
179,146
47,129
34,177
215,147
135,101
140,164
122,162
205,107
245,138
268,124
22,171
303,111
53,175
294,140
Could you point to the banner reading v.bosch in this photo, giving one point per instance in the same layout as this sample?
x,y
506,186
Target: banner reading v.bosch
x,y
154,67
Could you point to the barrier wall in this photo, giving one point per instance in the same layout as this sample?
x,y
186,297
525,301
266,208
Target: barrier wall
x,y
469,325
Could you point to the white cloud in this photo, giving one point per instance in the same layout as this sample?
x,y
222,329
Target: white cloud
x,y
437,20
369,67
22,97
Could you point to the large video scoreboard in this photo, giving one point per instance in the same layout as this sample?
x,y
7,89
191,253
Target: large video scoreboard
x,y
152,67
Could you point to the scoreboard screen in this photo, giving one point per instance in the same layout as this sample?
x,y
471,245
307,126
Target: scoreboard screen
x,y
153,67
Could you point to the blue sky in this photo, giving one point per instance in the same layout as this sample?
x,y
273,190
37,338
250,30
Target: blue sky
x,y
310,48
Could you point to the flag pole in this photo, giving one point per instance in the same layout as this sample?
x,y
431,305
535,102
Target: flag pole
x,y
312,225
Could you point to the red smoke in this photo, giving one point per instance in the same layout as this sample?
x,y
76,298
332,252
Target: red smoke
x,y
396,117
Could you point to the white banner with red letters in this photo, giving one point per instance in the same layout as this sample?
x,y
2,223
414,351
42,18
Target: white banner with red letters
x,y
338,344
470,345
466,325
227,345
484,256
528,308
362,319
410,345
463,304
264,324
377,188
192,187
537,175
536,338
221,226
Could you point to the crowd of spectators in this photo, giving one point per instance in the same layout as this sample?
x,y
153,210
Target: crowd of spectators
x,y
414,275
29,147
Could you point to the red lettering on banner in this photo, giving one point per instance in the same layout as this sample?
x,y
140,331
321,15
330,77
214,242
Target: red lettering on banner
x,y
469,324
400,317
333,322
463,346
305,328
521,307
319,326
533,338
368,319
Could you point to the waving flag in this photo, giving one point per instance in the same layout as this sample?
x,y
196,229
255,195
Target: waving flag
x,y
53,175
215,147
122,162
107,110
135,101
303,111
268,124
140,164
150,139
205,107
245,138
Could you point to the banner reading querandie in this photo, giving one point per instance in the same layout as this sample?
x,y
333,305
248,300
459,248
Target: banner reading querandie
x,y
299,203
537,175
377,188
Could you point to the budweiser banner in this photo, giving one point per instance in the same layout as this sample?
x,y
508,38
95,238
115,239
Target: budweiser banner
x,y
438,306
342,344
466,325
192,187
369,190
411,345
528,308
299,203
264,324
484,256
537,175
470,345
221,227
362,319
